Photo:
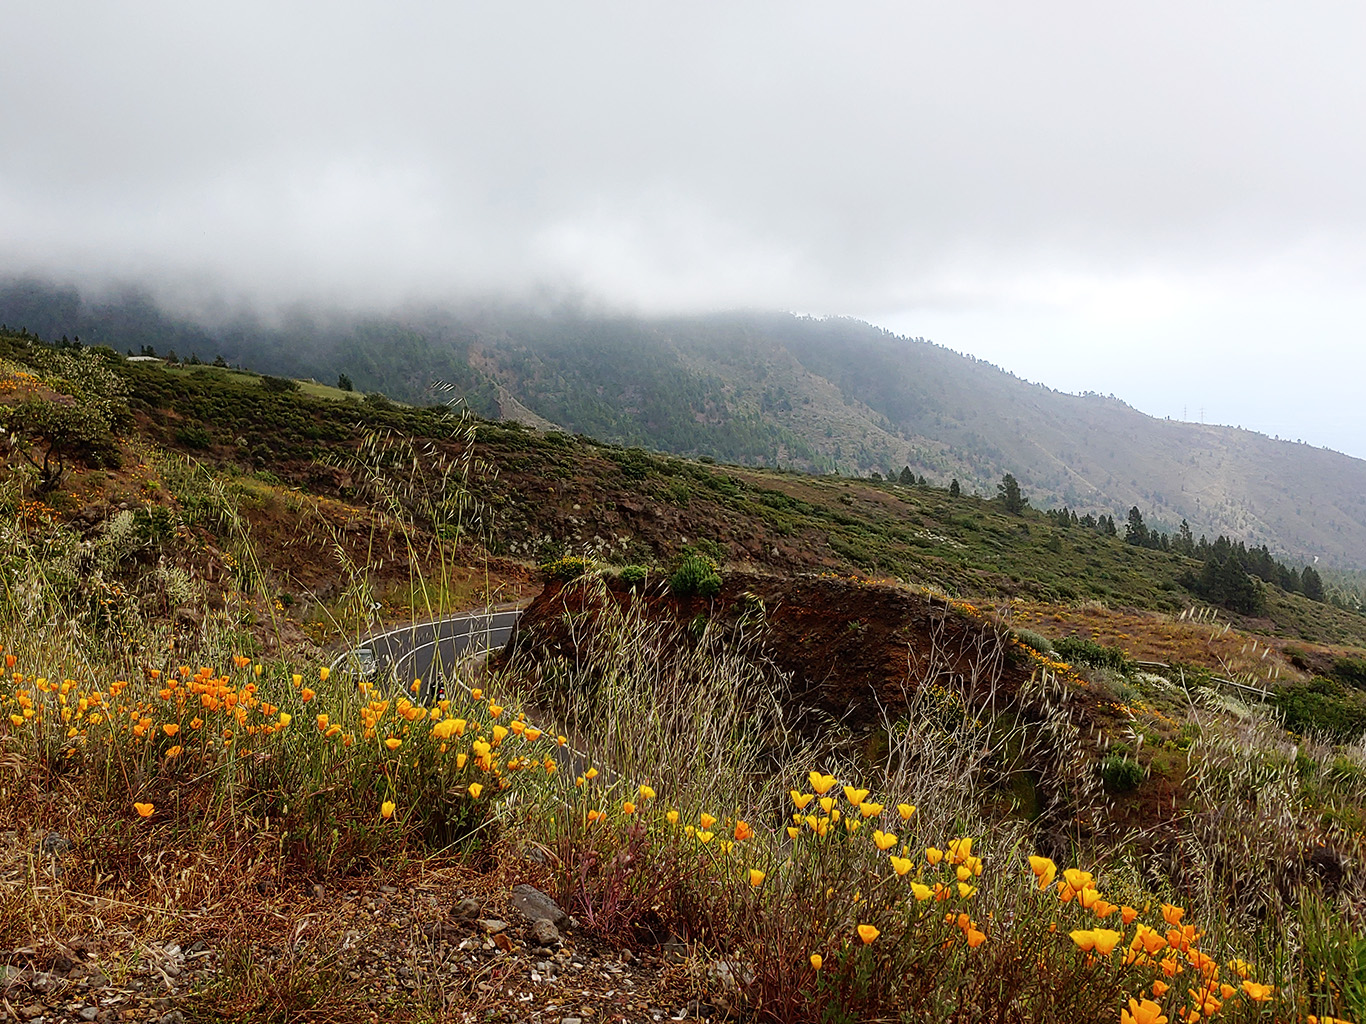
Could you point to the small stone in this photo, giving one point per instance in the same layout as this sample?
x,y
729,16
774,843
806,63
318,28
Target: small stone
x,y
31,1011
54,844
571,1020
387,890
319,892
544,933
88,1012
535,905
466,910
492,926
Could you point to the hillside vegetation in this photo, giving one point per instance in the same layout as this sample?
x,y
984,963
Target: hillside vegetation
x,y
783,391
808,748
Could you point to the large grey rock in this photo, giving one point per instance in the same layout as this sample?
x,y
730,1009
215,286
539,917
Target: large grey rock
x,y
535,905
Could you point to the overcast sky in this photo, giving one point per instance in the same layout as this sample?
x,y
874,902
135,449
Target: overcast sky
x,y
1166,201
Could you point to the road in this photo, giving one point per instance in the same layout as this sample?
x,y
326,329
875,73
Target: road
x,y
429,651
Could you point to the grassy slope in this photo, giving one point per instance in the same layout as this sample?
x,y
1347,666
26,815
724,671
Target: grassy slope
x,y
789,391
546,493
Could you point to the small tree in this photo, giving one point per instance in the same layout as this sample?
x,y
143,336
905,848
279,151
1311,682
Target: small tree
x,y
1134,530
954,489
1311,583
906,477
344,383
51,435
1010,496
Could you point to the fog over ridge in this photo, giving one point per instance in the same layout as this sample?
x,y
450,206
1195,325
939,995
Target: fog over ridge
x,y
1050,187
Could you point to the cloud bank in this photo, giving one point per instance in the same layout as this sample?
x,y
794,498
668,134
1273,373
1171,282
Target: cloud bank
x,y
1094,175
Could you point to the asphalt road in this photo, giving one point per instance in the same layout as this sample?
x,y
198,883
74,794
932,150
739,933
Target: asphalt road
x,y
429,651
432,650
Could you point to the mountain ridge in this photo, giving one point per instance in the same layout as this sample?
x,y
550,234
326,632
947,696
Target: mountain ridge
x,y
819,395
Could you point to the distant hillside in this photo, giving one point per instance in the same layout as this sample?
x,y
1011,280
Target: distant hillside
x,y
778,390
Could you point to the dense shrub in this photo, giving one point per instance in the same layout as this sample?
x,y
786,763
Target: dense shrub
x,y
1351,671
1080,650
696,575
1120,774
1034,640
570,567
1322,705
633,575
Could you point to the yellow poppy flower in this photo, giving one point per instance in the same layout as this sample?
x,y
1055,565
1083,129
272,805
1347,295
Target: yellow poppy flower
x,y
855,796
1145,1012
386,809
756,877
475,789
1078,880
867,933
144,810
816,961
393,743
822,784
646,793
800,800
884,840
907,811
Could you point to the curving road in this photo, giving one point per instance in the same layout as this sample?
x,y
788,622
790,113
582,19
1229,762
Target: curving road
x,y
429,651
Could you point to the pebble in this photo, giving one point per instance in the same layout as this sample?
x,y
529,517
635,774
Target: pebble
x,y
466,910
544,932
492,926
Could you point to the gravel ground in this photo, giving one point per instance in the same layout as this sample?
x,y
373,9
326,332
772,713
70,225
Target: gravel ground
x,y
447,944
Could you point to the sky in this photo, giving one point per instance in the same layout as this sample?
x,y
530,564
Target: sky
x,y
1160,201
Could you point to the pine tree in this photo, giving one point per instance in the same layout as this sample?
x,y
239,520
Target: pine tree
x,y
1311,583
1134,530
1008,492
